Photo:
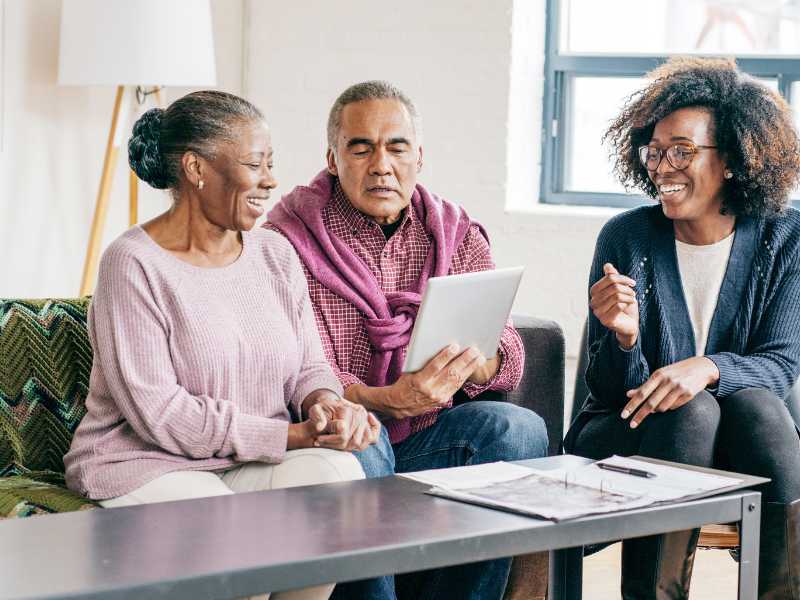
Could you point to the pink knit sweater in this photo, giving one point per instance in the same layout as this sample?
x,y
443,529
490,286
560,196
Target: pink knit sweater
x,y
194,368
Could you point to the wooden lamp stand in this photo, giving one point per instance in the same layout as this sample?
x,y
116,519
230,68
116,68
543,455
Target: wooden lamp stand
x,y
122,43
104,192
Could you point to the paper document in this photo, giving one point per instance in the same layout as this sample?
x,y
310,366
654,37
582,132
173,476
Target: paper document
x,y
669,483
469,476
566,494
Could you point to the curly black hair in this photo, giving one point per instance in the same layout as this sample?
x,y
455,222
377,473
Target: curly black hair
x,y
753,128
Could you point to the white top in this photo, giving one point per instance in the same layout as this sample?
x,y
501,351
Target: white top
x,y
702,270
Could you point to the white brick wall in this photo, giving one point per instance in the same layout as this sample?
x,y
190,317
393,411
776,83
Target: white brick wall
x,y
55,137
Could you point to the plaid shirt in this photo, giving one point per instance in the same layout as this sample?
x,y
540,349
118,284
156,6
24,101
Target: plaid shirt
x,y
396,264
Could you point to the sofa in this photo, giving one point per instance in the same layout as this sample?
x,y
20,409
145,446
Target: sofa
x,y
45,362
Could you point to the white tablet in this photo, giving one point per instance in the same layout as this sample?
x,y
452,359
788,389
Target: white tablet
x,y
469,310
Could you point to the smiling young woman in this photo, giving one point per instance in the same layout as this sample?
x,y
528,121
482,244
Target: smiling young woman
x,y
694,327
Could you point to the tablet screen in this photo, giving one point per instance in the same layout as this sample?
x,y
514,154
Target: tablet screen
x,y
469,310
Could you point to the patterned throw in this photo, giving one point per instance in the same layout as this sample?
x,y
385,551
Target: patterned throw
x,y
45,362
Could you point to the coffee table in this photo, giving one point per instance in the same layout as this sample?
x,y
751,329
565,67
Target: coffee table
x,y
244,544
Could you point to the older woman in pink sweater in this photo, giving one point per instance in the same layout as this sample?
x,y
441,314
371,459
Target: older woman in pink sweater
x,y
209,376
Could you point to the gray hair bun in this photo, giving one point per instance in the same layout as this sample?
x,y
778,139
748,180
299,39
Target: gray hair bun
x,y
144,151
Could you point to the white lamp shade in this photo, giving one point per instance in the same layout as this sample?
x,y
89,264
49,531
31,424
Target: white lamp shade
x,y
136,42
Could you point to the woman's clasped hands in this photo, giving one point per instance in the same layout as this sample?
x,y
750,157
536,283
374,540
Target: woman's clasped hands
x,y
335,423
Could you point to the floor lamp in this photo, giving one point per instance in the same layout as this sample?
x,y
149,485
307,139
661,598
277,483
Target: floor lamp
x,y
133,46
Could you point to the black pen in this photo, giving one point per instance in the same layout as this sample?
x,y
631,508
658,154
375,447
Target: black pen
x,y
625,470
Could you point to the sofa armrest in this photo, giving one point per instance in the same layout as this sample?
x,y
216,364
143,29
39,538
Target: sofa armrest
x,y
542,385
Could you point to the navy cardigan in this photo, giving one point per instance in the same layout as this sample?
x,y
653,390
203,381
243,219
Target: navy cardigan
x,y
754,337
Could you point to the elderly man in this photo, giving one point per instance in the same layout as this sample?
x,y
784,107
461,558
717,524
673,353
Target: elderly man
x,y
369,237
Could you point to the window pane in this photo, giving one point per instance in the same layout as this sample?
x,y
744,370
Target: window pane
x,y
770,83
740,27
595,101
796,102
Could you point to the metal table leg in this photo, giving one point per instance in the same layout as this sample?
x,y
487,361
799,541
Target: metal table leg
x,y
749,536
566,574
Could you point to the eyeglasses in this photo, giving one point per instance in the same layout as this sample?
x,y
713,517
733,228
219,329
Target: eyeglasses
x,y
678,156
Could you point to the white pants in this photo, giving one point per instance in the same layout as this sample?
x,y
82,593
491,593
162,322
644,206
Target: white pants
x,y
299,467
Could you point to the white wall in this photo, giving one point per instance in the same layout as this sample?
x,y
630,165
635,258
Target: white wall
x,y
54,142
481,113
454,59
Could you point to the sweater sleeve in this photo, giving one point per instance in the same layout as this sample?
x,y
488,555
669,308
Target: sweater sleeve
x,y
315,371
478,257
345,379
130,338
773,358
611,371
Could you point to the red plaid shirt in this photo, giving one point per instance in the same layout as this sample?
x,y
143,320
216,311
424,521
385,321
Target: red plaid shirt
x,y
396,264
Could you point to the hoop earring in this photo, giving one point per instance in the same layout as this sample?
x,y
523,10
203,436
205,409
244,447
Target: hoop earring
x,y
200,184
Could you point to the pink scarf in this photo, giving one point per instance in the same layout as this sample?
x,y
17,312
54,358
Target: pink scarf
x,y
389,316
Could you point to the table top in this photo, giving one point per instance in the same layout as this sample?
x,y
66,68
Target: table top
x,y
229,546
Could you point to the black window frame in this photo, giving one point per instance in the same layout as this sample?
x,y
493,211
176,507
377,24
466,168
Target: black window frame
x,y
559,71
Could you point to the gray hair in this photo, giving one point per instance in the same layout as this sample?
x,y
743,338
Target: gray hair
x,y
196,122
369,90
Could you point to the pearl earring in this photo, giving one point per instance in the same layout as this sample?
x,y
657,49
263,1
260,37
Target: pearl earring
x,y
728,175
200,184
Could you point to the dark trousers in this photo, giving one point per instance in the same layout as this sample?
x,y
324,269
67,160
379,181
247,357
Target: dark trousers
x,y
750,431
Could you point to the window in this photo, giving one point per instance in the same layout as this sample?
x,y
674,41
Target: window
x,y
597,54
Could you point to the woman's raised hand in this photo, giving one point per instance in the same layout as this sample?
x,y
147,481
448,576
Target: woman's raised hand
x,y
613,302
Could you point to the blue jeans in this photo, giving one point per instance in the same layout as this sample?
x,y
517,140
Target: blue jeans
x,y
471,433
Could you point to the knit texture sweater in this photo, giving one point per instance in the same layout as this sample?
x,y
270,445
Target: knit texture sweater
x,y
754,337
194,368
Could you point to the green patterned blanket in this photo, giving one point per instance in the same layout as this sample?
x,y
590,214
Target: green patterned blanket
x,y
45,362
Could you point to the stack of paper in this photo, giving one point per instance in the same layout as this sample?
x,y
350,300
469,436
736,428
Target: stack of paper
x,y
566,494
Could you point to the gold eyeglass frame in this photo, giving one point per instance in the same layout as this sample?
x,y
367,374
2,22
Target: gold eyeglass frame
x,y
693,148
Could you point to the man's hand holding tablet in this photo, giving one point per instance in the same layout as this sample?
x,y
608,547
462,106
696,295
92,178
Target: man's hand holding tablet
x,y
483,374
465,314
470,309
432,386
459,323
